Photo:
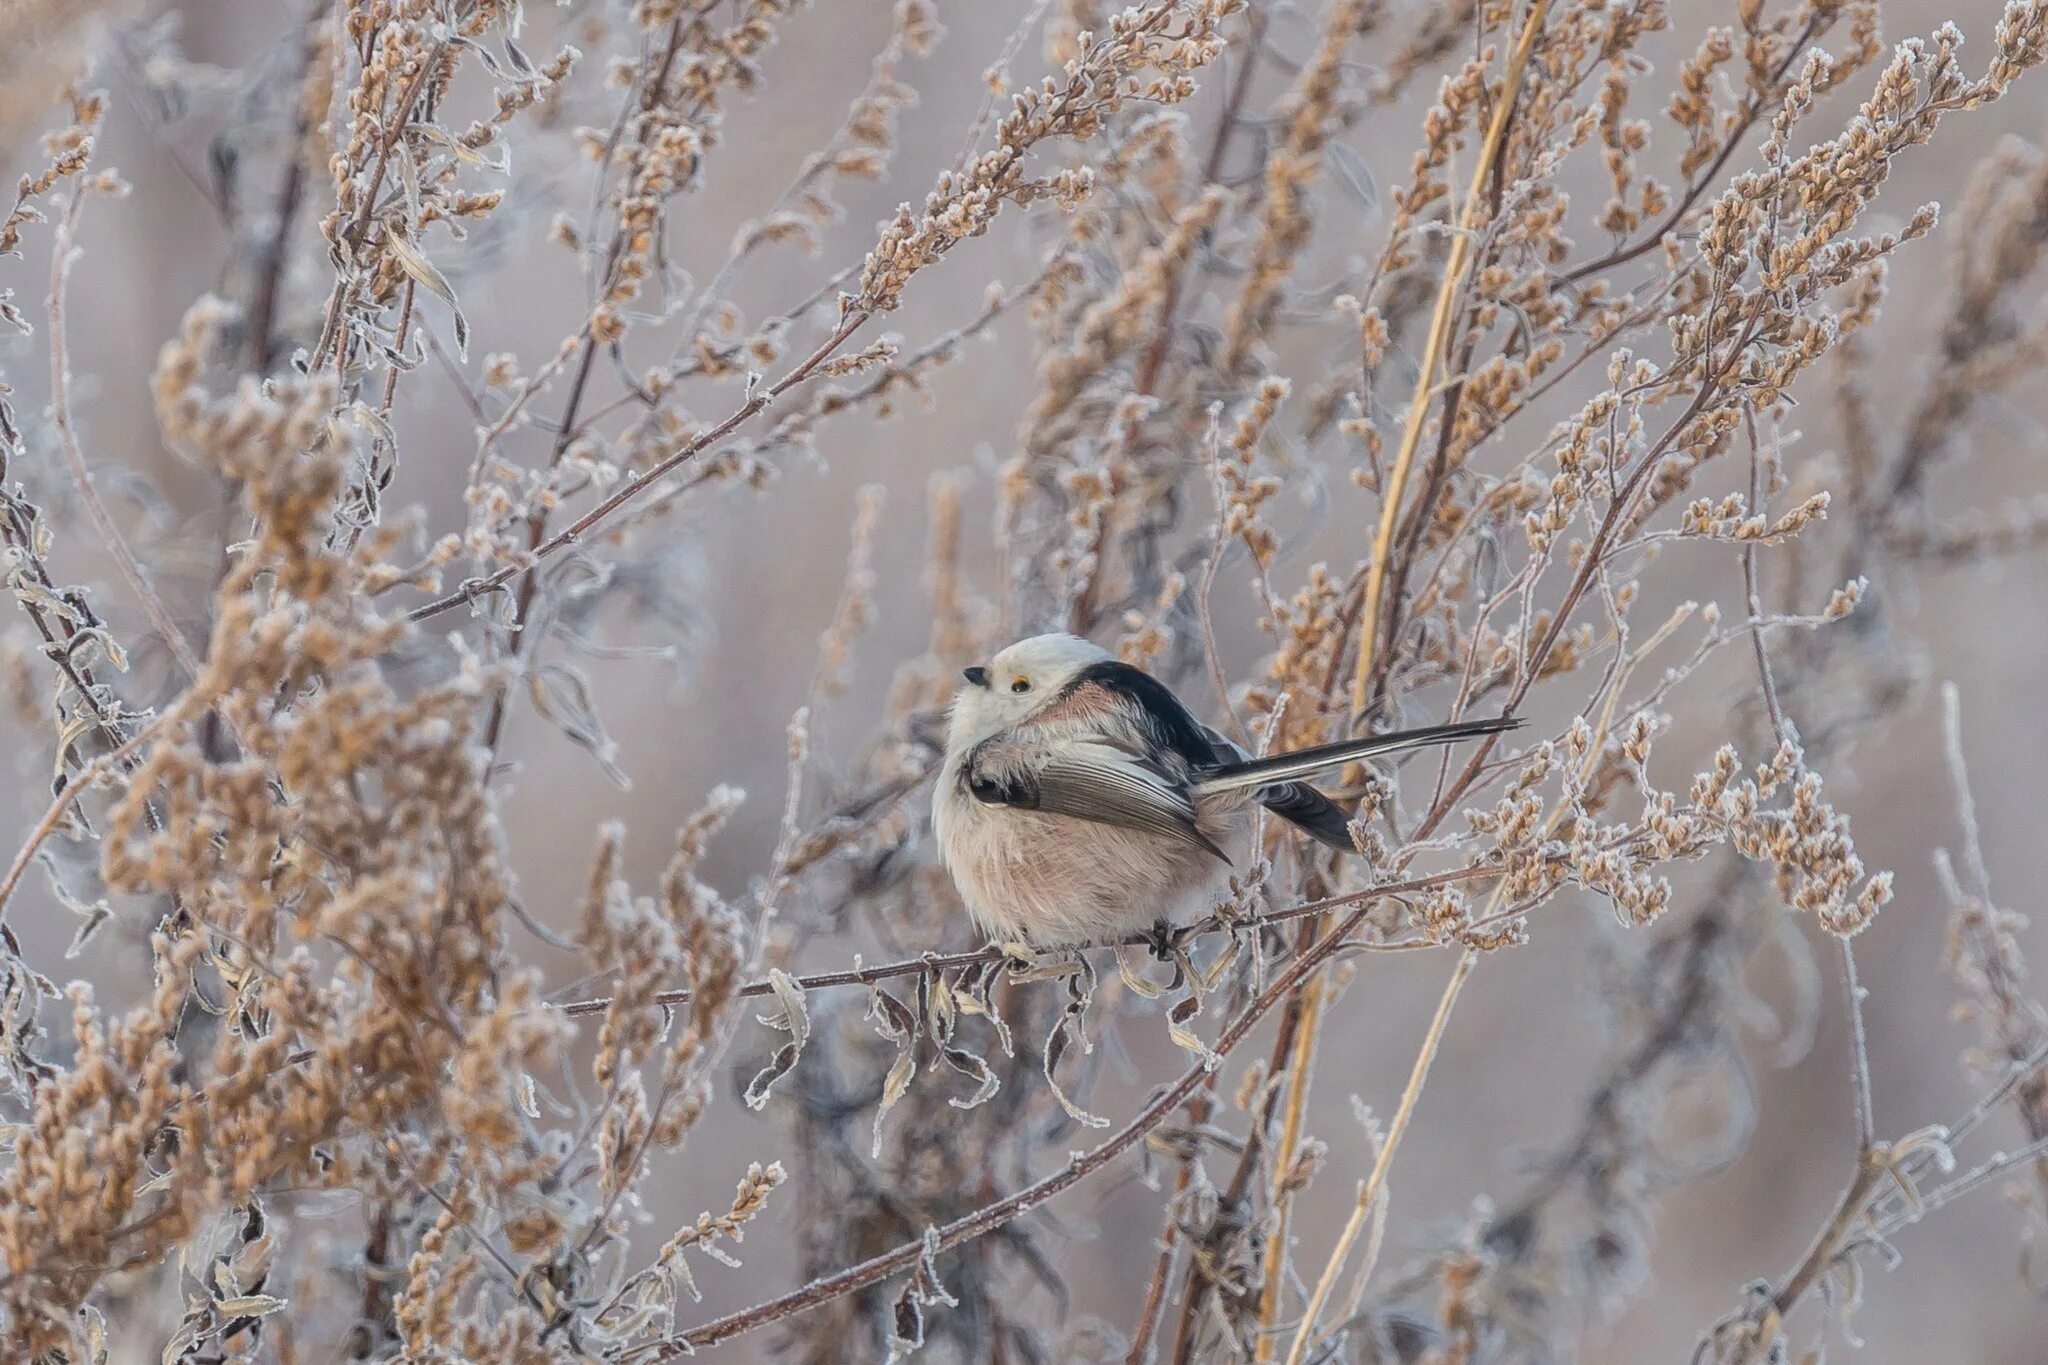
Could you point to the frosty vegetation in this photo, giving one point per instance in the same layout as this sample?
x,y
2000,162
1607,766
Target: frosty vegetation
x,y
360,1110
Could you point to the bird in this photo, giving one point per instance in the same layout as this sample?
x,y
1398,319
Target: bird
x,y
1080,803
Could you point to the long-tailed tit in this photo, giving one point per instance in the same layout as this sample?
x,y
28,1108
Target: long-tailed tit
x,y
1080,803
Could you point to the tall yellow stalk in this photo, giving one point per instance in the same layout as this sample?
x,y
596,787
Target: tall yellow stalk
x,y
1432,357
1302,1063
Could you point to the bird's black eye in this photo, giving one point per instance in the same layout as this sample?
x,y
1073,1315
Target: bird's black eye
x,y
1020,683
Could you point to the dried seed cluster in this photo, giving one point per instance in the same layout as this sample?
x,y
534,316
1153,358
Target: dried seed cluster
x,y
1500,406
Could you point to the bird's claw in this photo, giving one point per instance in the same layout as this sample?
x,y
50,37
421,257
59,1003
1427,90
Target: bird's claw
x,y
1162,940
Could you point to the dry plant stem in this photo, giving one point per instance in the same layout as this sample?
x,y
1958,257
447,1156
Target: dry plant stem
x,y
1300,1072
62,254
1150,1313
1603,536
2021,1021
1859,1053
398,344
1755,594
363,817
1866,1115
54,816
276,257
337,302
1432,357
1369,1192
991,1217
1975,1178
1959,779
1390,508
1198,1285
1873,1160
939,962
1147,378
536,529
633,487
1871,1168
1736,138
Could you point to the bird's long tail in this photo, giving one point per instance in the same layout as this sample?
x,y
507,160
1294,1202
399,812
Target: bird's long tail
x,y
1266,772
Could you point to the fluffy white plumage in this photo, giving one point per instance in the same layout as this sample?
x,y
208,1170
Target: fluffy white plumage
x,y
1080,803
1050,878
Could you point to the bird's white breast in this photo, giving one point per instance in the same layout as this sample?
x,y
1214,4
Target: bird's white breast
x,y
1053,880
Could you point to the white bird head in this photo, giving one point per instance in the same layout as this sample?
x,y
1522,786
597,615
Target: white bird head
x,y
1016,683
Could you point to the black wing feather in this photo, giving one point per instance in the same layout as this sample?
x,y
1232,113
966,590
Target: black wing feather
x,y
1172,727
1298,763
1217,765
1310,811
1276,783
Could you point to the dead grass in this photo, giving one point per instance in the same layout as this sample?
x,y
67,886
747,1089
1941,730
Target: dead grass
x,y
1528,411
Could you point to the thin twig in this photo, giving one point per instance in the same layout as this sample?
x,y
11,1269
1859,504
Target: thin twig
x,y
633,487
1913,1211
942,962
1300,1072
1149,1313
1870,1169
991,1217
54,816
1966,802
1859,1051
62,254
1737,137
331,331
1369,1192
1754,593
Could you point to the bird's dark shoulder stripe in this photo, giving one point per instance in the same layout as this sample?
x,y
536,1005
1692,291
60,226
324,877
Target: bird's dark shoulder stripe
x,y
1173,728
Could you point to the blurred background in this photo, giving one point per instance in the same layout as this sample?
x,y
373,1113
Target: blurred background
x,y
749,581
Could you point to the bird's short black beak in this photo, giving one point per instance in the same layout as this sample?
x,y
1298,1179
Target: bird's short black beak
x,y
976,675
